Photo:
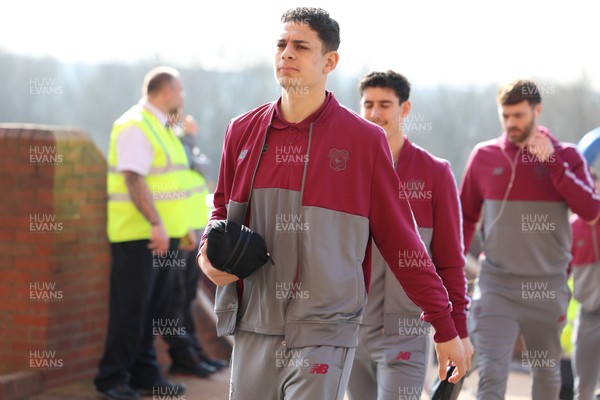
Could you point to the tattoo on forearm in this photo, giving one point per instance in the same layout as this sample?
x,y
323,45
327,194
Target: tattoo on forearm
x,y
141,196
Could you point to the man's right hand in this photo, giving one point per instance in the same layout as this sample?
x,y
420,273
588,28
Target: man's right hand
x,y
159,240
218,277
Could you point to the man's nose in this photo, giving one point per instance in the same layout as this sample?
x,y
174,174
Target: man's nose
x,y
287,53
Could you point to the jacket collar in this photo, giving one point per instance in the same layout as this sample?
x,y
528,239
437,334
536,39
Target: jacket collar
x,y
406,149
322,115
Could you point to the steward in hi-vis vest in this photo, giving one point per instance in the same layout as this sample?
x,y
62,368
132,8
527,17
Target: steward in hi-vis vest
x,y
149,203
170,181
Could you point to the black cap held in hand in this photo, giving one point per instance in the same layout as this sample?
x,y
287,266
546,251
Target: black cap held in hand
x,y
235,248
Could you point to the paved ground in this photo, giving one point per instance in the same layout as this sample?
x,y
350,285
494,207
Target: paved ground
x,y
216,388
213,388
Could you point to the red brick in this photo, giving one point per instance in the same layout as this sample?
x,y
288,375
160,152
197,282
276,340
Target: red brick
x,y
44,250
25,347
6,262
44,196
6,290
10,167
15,221
33,263
16,277
6,235
30,320
16,305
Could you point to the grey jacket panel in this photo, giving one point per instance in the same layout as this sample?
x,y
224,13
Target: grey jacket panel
x,y
526,238
310,302
335,290
400,315
585,287
267,292
226,298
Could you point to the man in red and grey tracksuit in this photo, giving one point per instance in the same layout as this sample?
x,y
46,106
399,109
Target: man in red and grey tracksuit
x,y
586,277
316,182
392,355
524,182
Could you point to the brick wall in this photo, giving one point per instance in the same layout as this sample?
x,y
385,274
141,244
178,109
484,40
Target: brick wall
x,y
55,261
54,258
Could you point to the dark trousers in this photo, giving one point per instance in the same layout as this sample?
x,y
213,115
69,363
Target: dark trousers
x,y
139,292
183,348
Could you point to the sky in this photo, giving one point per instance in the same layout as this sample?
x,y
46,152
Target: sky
x,y
459,42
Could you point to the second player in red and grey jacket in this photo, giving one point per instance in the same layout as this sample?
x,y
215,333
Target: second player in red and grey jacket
x,y
428,184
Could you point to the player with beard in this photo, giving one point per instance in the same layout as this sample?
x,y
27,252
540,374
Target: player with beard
x,y
522,184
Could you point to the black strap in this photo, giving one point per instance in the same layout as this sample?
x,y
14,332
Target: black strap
x,y
239,248
245,241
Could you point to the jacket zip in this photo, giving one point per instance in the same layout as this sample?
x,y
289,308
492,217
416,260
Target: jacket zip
x,y
262,150
301,235
513,173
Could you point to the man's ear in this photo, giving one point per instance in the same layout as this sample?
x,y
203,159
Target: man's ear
x,y
537,110
405,108
333,57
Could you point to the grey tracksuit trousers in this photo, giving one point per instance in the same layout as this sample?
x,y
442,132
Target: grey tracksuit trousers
x,y
264,368
508,306
388,367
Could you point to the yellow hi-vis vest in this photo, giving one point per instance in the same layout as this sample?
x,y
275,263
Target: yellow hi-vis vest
x,y
167,182
566,339
200,210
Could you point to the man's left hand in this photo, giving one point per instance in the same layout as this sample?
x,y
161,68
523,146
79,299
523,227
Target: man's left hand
x,y
451,352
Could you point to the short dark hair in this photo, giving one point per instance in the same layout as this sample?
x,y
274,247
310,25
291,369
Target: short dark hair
x,y
389,79
157,78
518,91
319,21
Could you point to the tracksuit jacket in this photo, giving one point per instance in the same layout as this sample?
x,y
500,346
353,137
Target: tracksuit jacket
x,y
586,264
436,207
525,228
349,194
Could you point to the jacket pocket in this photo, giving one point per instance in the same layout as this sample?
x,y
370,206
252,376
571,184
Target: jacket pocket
x,y
226,307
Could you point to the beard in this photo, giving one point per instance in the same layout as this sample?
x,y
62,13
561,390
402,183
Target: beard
x,y
519,136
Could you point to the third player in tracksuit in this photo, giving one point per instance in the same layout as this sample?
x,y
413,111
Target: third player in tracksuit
x,y
522,287
586,278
